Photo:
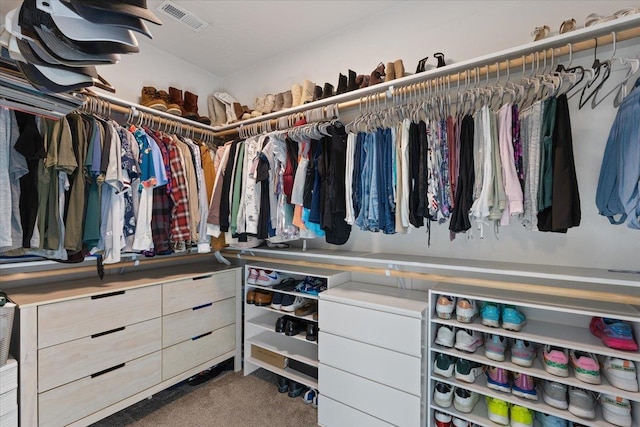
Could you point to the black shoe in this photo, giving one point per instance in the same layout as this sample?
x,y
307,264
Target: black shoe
x,y
295,389
283,384
317,93
293,327
210,374
312,332
352,85
440,57
327,91
342,84
280,324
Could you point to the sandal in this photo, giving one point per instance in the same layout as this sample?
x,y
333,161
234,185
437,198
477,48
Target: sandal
x,y
567,25
540,32
594,19
626,12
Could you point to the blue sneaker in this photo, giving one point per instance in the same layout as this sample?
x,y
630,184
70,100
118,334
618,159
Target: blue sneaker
x,y
512,318
490,314
550,421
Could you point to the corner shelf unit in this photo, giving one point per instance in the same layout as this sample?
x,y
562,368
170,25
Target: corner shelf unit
x,y
558,321
259,324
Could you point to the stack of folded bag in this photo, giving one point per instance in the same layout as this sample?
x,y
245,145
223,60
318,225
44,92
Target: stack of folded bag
x,y
56,44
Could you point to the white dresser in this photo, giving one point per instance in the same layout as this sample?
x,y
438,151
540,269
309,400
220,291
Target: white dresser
x,y
372,356
9,393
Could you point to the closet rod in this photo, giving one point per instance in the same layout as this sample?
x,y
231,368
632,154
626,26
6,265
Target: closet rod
x,y
626,28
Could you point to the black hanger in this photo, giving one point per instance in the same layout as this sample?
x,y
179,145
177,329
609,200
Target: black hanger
x,y
602,70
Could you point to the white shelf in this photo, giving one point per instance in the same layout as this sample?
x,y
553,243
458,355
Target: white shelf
x,y
333,277
537,370
478,416
288,373
298,294
308,318
293,349
267,322
566,336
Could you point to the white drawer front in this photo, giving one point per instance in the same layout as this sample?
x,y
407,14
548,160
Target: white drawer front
x,y
10,419
191,353
335,414
384,366
391,331
379,401
69,361
7,401
186,324
183,294
82,317
78,399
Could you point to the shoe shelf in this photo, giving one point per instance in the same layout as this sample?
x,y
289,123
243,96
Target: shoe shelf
x,y
559,321
289,348
333,277
286,372
268,322
307,318
297,294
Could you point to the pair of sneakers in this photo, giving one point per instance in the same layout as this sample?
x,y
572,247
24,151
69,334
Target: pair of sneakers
x,y
501,412
466,309
310,397
522,352
264,277
517,383
502,315
465,339
580,402
462,369
446,420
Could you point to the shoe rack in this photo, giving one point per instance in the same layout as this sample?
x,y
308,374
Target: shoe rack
x,y
557,321
260,321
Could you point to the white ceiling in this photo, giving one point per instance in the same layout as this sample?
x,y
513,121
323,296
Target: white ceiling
x,y
243,33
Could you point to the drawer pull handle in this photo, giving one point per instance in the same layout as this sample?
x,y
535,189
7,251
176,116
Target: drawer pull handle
x,y
107,332
202,277
113,368
110,294
202,306
201,336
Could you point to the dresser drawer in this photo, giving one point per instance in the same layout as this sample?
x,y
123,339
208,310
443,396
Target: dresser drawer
x,y
183,294
69,361
193,352
7,400
335,414
391,331
10,419
378,364
82,317
186,324
73,401
386,403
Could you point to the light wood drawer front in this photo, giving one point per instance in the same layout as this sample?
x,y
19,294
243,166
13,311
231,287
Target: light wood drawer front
x,y
183,294
8,400
380,401
187,324
188,354
78,399
63,363
392,331
78,318
335,414
378,364
10,419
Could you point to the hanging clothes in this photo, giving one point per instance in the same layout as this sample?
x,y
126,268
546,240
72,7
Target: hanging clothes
x,y
464,187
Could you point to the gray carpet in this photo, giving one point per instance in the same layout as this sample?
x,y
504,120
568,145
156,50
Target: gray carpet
x,y
231,399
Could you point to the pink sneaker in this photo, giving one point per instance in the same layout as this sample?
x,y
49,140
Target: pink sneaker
x,y
556,360
585,366
524,386
613,333
253,276
498,379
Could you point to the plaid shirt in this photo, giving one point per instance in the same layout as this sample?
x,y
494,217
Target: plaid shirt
x,y
160,219
180,212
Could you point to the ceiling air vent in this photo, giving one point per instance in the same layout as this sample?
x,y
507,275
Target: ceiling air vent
x,y
180,14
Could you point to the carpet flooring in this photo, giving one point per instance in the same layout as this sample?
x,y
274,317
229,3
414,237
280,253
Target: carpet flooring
x,y
231,399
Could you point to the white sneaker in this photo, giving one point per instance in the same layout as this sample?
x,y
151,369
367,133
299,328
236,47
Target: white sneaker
x,y
443,394
269,278
297,303
445,305
616,410
582,403
253,276
445,336
468,340
467,371
466,310
459,422
465,400
621,373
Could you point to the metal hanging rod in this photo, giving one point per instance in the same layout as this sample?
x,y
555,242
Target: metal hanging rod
x,y
625,28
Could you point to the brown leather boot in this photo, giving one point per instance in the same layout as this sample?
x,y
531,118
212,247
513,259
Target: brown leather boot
x,y
150,98
377,75
173,104
191,108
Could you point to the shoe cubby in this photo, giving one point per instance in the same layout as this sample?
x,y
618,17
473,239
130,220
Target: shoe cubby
x,y
274,351
558,321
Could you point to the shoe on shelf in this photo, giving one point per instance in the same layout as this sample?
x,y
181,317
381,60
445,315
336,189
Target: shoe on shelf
x,y
616,410
269,278
585,366
555,360
289,305
283,384
251,295
522,353
459,422
467,371
262,298
295,389
494,347
307,308
550,420
498,379
464,400
309,396
524,386
497,410
443,394
312,285
468,340
445,336
466,310
613,333
490,314
442,419
512,318
621,373
276,301
253,276
281,322
293,327
445,305
443,365
555,394
582,403
521,416
312,332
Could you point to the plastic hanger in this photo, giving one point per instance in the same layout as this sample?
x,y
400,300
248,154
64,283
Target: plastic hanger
x,y
601,71
632,66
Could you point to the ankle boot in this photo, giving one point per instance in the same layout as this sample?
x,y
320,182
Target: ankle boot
x,y
173,100
342,84
398,68
176,96
391,72
308,89
149,98
317,93
288,99
352,84
191,107
217,111
364,81
327,91
279,102
377,75
269,103
237,110
296,94
259,103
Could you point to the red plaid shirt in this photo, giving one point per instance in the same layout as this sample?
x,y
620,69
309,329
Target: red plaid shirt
x,y
180,213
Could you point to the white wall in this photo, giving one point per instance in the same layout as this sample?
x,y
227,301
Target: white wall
x,y
464,30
